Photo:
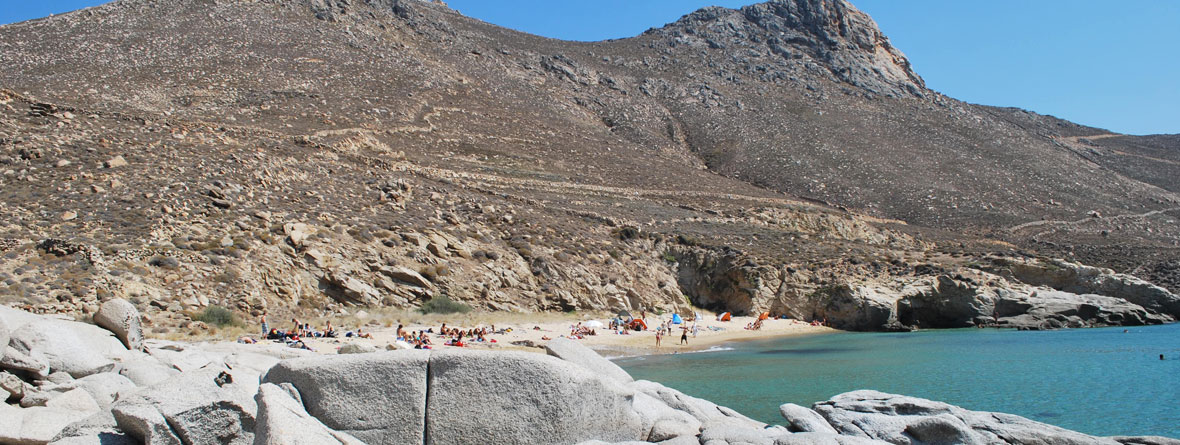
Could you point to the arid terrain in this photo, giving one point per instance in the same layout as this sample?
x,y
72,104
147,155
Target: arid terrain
x,y
309,157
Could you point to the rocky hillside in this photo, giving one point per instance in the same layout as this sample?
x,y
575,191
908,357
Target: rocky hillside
x,y
308,156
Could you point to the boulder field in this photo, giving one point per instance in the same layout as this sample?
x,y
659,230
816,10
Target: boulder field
x,y
67,382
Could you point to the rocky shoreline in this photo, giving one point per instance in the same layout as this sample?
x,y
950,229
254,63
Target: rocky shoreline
x,y
68,382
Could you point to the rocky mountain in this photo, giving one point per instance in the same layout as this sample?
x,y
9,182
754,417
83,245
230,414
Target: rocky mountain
x,y
305,156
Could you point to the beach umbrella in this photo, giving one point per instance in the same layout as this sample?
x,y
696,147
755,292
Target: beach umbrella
x,y
676,319
593,324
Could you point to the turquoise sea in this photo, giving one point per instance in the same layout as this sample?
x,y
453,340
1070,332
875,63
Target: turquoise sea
x,y
1098,381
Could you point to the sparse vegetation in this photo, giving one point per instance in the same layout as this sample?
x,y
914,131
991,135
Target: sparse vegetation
x,y
218,316
443,304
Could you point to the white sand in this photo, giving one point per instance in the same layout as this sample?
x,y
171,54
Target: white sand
x,y
524,332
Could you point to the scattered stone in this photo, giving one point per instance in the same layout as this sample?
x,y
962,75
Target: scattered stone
x,y
298,233
356,348
115,162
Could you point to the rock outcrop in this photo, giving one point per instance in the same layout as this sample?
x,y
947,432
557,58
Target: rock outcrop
x,y
901,419
831,34
454,396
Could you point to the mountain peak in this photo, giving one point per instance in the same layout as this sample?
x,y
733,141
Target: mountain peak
x,y
831,33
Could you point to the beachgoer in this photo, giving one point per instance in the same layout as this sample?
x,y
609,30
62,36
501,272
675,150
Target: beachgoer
x,y
659,334
695,329
684,337
265,327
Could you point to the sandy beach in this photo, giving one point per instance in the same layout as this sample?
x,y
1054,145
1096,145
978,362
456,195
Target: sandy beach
x,y
527,331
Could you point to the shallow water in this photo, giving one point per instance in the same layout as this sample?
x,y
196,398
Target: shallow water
x,y
1097,381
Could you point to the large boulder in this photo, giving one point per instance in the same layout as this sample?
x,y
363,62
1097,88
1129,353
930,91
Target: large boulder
x,y
519,397
578,354
282,420
910,420
121,317
803,420
205,406
379,398
77,348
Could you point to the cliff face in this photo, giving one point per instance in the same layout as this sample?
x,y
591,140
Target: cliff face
x,y
290,156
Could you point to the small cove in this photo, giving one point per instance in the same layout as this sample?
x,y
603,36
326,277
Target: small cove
x,y
1100,381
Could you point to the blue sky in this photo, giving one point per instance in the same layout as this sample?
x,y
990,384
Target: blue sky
x,y
1112,65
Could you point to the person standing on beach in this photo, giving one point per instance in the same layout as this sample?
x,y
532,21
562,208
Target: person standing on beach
x,y
265,327
659,335
684,336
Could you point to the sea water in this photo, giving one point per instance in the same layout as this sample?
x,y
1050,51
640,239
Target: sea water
x,y
1100,381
